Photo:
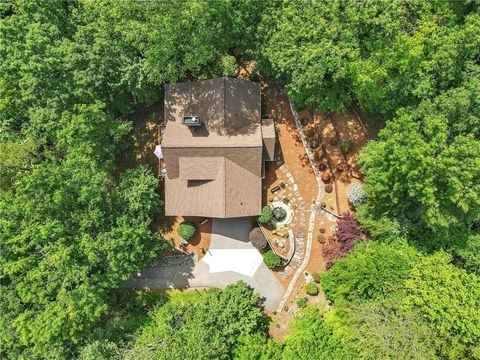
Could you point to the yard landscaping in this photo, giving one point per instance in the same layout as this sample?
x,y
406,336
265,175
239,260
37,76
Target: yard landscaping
x,y
335,141
198,244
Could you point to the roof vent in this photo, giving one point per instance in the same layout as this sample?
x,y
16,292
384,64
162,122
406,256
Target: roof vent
x,y
192,121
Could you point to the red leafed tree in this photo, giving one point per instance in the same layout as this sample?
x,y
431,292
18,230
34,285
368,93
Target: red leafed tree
x,y
331,251
348,232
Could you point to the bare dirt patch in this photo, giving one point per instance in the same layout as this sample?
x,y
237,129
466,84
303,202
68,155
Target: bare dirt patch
x,y
199,244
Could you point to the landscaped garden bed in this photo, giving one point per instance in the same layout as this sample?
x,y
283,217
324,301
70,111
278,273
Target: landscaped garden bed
x,y
189,234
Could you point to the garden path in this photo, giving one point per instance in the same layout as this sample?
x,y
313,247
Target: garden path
x,y
313,212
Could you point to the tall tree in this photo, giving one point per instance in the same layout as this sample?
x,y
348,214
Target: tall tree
x,y
206,327
420,174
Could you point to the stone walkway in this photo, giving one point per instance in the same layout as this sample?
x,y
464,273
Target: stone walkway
x,y
299,238
297,259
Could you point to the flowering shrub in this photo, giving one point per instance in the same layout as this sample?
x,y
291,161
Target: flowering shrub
x,y
356,194
348,232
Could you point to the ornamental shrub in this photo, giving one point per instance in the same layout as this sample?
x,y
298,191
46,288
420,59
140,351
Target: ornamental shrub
x,y
332,251
186,230
311,289
266,215
348,232
257,239
302,302
356,194
346,146
317,277
271,259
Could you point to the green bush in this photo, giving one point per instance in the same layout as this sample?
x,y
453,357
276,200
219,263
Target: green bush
x,y
266,215
271,259
346,146
302,302
311,289
316,277
186,230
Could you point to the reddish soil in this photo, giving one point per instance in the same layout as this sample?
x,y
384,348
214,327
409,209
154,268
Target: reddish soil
x,y
330,131
201,241
292,156
348,128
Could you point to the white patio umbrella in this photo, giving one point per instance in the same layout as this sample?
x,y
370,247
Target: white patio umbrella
x,y
158,152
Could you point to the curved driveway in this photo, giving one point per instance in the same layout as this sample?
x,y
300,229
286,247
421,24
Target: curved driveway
x,y
231,257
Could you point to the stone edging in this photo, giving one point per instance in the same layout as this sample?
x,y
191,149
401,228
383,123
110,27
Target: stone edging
x,y
291,251
262,229
313,211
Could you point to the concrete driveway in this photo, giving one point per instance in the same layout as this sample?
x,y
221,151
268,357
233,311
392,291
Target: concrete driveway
x,y
231,257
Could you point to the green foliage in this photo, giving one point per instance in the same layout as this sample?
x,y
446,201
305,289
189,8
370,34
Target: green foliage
x,y
317,277
380,228
99,349
469,254
346,146
313,337
447,297
373,270
302,302
271,259
311,289
266,216
420,175
17,157
307,46
382,329
86,240
257,347
186,230
205,327
74,224
405,301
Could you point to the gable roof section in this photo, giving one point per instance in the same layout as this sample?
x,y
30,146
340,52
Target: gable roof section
x,y
213,170
229,109
234,192
199,168
268,135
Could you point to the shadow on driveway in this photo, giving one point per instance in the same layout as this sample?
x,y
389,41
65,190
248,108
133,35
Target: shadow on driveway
x,y
180,271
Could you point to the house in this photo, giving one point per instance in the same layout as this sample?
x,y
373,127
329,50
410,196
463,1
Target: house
x,y
214,148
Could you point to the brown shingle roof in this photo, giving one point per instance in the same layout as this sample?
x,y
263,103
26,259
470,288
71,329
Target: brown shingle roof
x,y
228,108
199,168
234,192
213,170
268,134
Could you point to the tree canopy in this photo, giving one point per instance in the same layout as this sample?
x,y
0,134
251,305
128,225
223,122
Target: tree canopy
x,y
75,221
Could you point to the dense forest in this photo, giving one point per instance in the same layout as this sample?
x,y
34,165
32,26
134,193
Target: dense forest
x,y
74,224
